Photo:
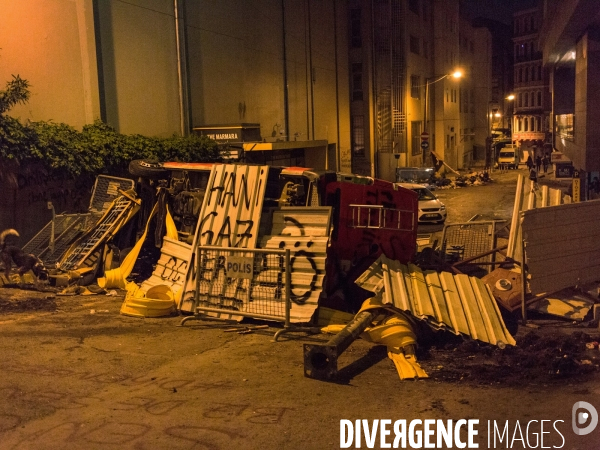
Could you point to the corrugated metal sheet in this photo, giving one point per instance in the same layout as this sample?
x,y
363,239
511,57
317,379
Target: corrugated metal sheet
x,y
528,197
305,231
458,303
562,245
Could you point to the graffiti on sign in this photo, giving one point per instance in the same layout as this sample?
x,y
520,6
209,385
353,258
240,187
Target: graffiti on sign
x,y
229,217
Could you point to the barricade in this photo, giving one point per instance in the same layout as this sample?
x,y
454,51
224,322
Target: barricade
x,y
232,283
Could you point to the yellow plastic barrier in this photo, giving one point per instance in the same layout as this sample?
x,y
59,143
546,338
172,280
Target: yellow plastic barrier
x,y
157,302
394,330
115,278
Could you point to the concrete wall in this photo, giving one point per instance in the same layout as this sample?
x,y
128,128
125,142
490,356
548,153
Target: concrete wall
x,y
237,68
26,191
138,67
51,45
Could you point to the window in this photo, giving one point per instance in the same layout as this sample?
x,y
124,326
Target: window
x,y
521,75
565,126
540,72
425,10
415,132
358,136
425,49
414,45
520,100
355,29
526,74
415,86
357,90
526,100
539,98
526,124
472,99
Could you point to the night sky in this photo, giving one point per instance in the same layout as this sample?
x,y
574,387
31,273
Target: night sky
x,y
500,10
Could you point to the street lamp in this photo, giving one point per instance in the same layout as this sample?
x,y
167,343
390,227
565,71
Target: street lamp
x,y
428,81
511,98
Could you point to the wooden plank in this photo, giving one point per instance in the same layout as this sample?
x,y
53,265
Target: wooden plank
x,y
230,212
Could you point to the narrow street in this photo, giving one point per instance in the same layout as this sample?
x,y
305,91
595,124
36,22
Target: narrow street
x,y
76,374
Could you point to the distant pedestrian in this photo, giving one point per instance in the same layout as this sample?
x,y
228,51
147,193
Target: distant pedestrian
x,y
533,175
545,162
529,163
538,163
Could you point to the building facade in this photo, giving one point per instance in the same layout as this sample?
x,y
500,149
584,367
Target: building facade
x,y
164,67
570,42
404,102
532,101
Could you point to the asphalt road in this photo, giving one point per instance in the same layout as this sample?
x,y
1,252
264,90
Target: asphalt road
x,y
75,374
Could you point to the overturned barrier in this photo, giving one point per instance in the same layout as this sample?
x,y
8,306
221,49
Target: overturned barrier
x,y
320,361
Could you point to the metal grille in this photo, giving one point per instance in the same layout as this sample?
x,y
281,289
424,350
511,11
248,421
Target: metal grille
x,y
67,227
106,189
466,240
243,282
111,221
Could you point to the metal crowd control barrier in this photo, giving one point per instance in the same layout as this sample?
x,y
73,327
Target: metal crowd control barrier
x,y
241,282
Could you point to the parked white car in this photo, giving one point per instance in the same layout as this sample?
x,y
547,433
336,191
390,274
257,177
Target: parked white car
x,y
430,208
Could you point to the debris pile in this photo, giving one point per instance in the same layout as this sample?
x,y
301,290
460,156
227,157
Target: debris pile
x,y
540,357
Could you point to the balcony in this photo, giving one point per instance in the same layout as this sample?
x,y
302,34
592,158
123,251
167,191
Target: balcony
x,y
529,135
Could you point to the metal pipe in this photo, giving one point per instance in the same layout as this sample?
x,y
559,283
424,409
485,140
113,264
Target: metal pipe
x,y
181,70
320,361
286,107
523,285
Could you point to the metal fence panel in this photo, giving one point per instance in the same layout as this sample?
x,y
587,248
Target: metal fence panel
x,y
243,282
465,240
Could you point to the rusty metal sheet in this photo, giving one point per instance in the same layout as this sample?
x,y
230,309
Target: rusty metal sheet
x,y
562,245
458,303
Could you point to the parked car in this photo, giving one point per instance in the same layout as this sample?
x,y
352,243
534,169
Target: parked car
x,y
425,176
431,209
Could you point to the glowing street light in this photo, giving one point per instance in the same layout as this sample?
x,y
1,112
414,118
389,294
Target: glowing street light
x,y
456,75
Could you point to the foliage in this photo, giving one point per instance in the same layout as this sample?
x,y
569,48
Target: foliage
x,y
17,91
97,148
